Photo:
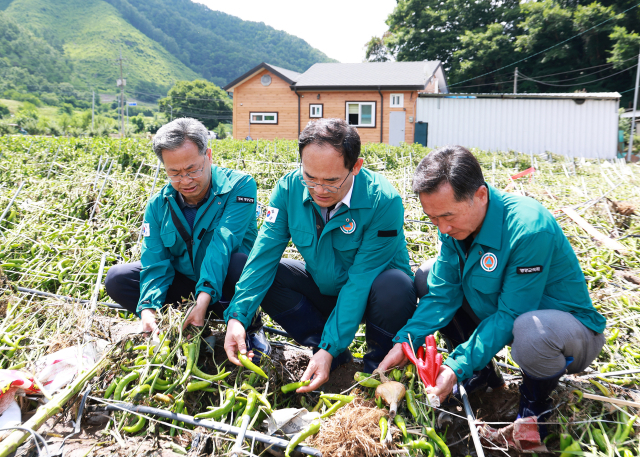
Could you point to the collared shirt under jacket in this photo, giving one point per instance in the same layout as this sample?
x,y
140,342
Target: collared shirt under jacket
x,y
344,257
225,224
520,261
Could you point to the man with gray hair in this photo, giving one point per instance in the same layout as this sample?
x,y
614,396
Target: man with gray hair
x,y
198,231
505,275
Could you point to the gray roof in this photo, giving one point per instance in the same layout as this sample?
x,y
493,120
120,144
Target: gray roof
x,y
386,75
292,75
289,76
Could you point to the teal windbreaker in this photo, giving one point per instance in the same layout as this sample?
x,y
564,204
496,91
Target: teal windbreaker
x,y
225,224
520,261
356,245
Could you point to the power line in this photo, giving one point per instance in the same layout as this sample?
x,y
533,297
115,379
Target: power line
x,y
547,49
575,84
184,98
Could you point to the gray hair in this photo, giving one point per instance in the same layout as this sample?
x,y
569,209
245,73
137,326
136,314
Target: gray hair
x,y
173,135
451,164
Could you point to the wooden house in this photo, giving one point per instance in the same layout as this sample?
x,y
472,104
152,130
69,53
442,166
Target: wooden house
x,y
379,98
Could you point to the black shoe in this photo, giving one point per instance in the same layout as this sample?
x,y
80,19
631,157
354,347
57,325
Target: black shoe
x,y
379,343
535,397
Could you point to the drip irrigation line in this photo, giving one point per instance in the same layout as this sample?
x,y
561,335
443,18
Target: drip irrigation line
x,y
213,425
6,210
36,437
67,299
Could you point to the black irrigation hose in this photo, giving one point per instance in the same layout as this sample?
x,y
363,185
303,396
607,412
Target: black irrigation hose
x,y
213,425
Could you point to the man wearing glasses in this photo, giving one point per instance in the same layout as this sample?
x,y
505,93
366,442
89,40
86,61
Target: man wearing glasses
x,y
197,232
347,224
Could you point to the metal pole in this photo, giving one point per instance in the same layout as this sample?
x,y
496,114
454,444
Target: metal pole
x,y
6,210
472,420
155,179
635,107
515,81
53,161
106,178
213,425
93,103
138,172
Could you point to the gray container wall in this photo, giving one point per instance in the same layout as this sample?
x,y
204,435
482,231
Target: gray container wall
x,y
535,126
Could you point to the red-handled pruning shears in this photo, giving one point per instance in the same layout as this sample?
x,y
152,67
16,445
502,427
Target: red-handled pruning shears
x,y
427,361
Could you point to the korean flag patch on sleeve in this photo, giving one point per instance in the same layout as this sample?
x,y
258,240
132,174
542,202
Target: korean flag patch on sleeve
x,y
272,214
146,231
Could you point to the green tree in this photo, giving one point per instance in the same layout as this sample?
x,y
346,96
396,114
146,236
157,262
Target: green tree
x,y
4,111
377,50
198,99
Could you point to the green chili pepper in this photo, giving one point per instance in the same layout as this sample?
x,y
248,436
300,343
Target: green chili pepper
x,y
189,350
431,433
122,384
624,434
167,399
410,398
209,377
261,398
365,379
294,386
250,408
335,407
598,438
222,410
137,426
420,444
338,397
138,390
178,410
310,430
384,428
249,365
400,423
111,388
396,374
197,385
241,403
572,450
565,441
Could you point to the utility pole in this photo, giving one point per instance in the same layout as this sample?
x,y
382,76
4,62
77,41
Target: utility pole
x,y
635,107
121,82
515,81
171,113
93,104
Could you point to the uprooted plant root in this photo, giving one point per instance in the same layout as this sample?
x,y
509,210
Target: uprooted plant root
x,y
352,431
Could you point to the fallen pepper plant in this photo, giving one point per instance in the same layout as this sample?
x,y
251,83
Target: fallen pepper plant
x,y
65,203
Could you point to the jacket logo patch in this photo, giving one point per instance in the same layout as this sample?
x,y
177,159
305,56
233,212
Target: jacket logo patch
x,y
245,199
489,262
349,228
272,214
529,270
146,231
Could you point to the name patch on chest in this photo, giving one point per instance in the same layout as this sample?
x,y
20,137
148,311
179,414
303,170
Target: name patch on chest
x,y
529,270
245,200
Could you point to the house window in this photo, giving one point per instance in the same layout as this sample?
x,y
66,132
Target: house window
x,y
265,80
397,100
263,118
315,110
361,114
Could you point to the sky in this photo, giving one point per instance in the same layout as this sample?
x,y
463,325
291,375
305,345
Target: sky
x,y
339,28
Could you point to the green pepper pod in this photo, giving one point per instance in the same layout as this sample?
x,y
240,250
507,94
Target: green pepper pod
x,y
400,423
431,433
122,384
335,407
572,450
197,385
384,428
337,397
111,388
310,430
178,410
624,434
261,398
410,398
598,438
294,386
209,377
365,379
421,444
189,350
222,410
249,365
138,391
137,426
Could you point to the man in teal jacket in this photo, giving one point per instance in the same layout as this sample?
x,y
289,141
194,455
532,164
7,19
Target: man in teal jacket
x,y
197,232
506,275
347,224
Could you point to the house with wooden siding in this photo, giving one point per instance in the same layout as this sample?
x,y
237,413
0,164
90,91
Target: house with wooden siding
x,y
379,98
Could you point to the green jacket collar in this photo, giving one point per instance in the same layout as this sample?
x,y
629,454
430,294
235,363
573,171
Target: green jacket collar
x,y
360,197
491,232
220,184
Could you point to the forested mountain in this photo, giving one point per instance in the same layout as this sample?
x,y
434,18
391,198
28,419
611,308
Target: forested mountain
x,y
218,46
162,41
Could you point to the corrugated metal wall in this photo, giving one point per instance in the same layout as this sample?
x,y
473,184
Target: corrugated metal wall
x,y
525,125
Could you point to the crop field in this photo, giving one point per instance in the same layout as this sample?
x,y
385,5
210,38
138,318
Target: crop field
x,y
71,208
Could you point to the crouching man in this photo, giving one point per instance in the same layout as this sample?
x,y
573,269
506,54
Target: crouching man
x,y
506,275
198,231
347,224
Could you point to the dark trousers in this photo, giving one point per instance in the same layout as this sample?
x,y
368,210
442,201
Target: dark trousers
x,y
391,302
123,285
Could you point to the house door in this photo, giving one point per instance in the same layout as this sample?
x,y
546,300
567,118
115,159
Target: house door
x,y
396,127
421,133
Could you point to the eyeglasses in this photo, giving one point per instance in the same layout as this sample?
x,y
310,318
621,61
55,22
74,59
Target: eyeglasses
x,y
191,175
313,185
